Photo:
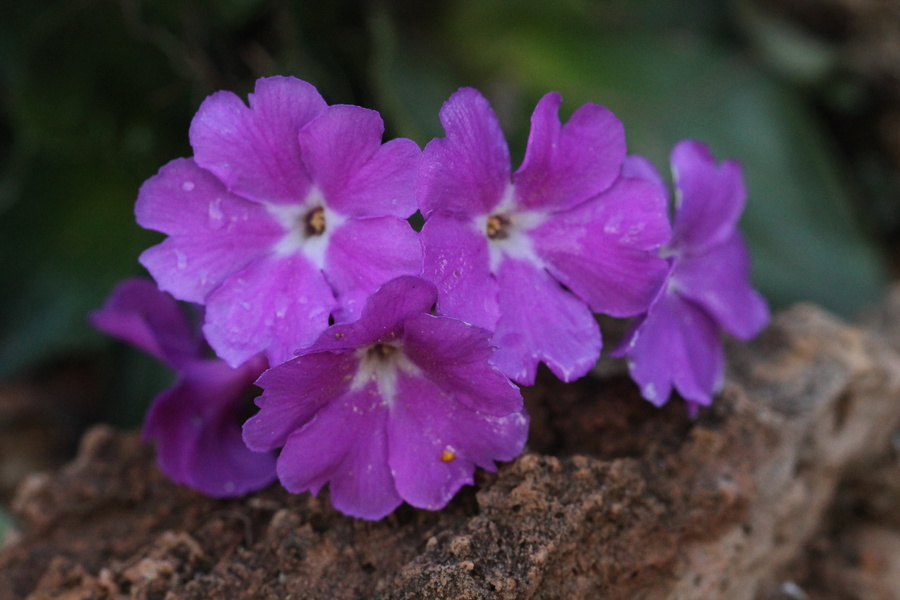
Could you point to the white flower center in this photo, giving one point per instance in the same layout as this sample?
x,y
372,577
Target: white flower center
x,y
308,227
507,231
380,363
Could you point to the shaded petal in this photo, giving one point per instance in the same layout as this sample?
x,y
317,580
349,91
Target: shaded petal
x,y
457,260
719,281
566,165
542,322
358,176
425,422
276,305
138,313
639,167
454,355
214,234
709,197
363,254
346,445
254,150
294,392
678,345
605,250
197,429
467,172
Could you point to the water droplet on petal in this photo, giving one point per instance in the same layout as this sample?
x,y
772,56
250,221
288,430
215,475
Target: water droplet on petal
x,y
180,260
188,186
216,217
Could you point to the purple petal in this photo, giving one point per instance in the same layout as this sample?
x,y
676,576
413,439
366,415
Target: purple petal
x,y
678,345
365,253
719,281
710,197
254,150
138,313
435,442
468,171
294,392
358,176
566,165
276,305
196,426
383,315
542,322
214,233
454,355
605,250
638,167
346,445
457,261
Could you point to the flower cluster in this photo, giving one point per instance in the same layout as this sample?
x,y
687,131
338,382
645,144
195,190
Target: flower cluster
x,y
388,358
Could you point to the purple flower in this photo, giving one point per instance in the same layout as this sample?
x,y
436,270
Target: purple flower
x,y
290,211
531,254
399,405
197,422
677,343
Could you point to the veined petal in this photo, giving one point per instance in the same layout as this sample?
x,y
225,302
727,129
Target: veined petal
x,y
363,254
678,345
542,322
710,198
276,305
138,313
454,355
605,250
457,261
566,165
468,171
358,176
294,392
214,234
435,442
719,281
346,446
197,430
254,150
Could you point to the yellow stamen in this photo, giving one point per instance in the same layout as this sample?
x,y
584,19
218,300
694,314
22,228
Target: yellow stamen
x,y
447,455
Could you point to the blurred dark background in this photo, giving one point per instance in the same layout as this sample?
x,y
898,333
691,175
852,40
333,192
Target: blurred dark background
x,y
96,95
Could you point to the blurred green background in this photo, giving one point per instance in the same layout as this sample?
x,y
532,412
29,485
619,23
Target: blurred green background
x,y
96,95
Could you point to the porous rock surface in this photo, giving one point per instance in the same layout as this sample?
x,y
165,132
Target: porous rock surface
x,y
612,499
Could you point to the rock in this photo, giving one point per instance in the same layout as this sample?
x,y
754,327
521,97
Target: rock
x,y
612,499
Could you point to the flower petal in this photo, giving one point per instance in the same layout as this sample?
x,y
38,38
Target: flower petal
x,y
639,167
542,322
254,150
710,198
275,305
566,165
454,355
346,445
605,250
467,172
719,281
363,254
196,426
138,313
457,261
358,176
214,234
435,442
678,345
294,392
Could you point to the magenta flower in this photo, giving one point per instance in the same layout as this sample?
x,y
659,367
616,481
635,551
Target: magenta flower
x,y
531,254
290,212
399,405
196,423
677,343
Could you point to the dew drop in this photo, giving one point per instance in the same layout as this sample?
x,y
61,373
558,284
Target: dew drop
x,y
216,218
188,186
180,260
